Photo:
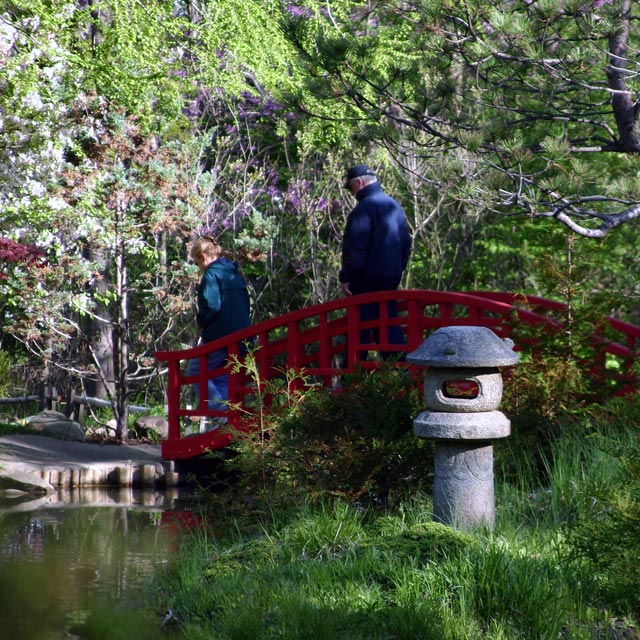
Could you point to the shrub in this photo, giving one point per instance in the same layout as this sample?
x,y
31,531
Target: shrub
x,y
357,441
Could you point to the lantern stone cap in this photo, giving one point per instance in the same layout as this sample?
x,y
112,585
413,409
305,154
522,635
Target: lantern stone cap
x,y
462,346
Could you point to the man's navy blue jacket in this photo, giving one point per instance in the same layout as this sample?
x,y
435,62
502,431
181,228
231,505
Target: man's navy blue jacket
x,y
376,243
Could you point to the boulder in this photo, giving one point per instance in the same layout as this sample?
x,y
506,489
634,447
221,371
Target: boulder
x,y
56,425
146,426
22,482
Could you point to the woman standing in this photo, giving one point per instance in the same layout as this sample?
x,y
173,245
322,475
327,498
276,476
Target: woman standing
x,y
223,307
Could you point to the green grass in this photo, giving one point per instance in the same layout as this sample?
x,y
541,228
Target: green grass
x,y
9,429
335,572
331,570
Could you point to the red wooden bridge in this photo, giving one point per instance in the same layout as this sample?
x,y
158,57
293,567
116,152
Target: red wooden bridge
x,y
323,342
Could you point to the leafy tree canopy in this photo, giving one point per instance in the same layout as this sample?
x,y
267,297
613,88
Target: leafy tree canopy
x,y
536,100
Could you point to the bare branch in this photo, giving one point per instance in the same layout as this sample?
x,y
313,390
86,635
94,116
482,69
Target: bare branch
x,y
609,222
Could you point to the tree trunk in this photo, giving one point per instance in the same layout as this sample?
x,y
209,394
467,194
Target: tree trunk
x,y
625,108
121,342
99,332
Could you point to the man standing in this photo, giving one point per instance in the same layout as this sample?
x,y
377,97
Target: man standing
x,y
375,248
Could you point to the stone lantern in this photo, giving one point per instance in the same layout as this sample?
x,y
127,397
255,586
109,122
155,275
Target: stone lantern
x,y
462,390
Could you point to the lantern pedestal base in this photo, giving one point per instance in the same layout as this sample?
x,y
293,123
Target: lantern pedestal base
x,y
463,493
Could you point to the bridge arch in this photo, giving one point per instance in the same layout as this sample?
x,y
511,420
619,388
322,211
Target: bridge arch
x,y
324,342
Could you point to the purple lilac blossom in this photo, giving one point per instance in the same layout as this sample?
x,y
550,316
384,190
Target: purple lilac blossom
x,y
298,12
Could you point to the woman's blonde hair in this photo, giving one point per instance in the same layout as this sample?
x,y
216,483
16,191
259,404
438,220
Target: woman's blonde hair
x,y
205,246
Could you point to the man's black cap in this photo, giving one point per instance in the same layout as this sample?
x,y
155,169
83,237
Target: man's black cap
x,y
356,172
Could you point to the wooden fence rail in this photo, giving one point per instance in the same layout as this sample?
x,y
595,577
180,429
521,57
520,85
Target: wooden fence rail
x,y
51,400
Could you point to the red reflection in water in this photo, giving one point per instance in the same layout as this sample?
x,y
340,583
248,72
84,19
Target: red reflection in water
x,y
179,523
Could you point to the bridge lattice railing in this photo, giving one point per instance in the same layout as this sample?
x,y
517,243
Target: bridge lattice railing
x,y
323,342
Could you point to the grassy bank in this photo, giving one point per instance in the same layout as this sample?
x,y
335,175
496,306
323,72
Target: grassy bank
x,y
561,562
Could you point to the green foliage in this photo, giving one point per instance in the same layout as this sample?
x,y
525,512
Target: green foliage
x,y
356,441
487,88
5,372
563,370
102,624
605,532
549,393
426,541
10,428
589,491
131,59
562,560
270,400
133,126
230,31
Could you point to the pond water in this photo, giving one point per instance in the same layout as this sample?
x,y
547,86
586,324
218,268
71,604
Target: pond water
x,y
79,566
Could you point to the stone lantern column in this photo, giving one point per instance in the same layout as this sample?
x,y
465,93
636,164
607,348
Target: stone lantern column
x,y
462,390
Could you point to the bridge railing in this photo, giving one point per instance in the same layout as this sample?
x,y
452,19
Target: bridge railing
x,y
324,342
614,347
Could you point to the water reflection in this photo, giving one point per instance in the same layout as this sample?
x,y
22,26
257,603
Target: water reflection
x,y
88,496
79,566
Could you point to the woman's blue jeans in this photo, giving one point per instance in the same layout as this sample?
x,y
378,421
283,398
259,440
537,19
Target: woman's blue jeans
x,y
218,387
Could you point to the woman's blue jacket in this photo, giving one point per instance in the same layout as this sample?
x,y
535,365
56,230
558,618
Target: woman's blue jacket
x,y
223,301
